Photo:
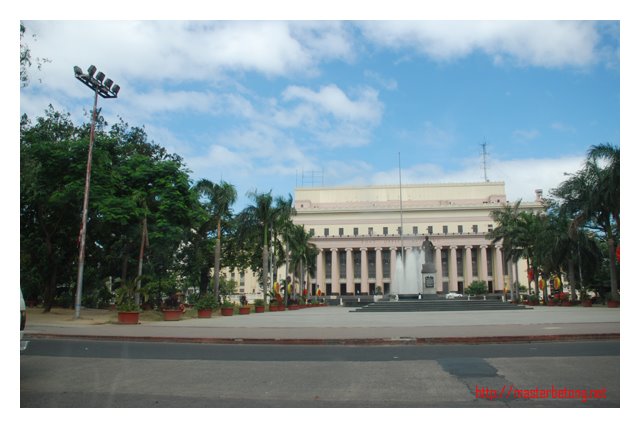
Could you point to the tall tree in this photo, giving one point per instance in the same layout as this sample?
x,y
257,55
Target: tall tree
x,y
258,224
592,196
218,201
302,252
131,179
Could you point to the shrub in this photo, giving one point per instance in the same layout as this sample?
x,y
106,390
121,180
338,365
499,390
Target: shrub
x,y
477,287
206,301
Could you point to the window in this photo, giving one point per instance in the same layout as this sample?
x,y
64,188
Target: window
x,y
355,231
312,232
430,230
415,230
460,230
385,231
445,229
490,228
326,231
371,231
474,228
341,231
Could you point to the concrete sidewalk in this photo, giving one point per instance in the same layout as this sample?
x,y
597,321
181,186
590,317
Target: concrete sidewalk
x,y
339,325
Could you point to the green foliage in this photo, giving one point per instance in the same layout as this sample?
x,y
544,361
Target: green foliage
x,y
227,287
131,179
477,288
228,304
125,297
258,302
207,301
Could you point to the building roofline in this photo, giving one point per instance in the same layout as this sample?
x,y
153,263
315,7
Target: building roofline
x,y
409,185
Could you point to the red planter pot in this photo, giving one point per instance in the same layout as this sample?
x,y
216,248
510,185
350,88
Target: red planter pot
x,y
226,312
205,313
244,310
567,304
587,303
551,303
293,307
172,314
259,309
613,304
128,317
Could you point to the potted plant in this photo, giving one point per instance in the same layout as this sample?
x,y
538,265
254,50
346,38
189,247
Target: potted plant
x,y
128,313
611,302
172,308
585,299
244,309
206,304
128,310
227,308
259,306
276,302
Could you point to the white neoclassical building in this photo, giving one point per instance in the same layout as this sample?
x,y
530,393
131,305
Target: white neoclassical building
x,y
358,232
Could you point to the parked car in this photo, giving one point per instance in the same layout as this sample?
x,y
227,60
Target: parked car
x,y
453,295
23,322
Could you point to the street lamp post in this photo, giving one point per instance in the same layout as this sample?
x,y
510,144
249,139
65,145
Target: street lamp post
x,y
106,89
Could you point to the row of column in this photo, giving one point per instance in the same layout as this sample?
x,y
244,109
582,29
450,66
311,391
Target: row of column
x,y
483,275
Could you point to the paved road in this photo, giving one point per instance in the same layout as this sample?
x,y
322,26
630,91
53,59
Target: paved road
x,y
75,373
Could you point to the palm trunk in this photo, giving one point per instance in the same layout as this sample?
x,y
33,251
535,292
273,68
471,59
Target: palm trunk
x,y
612,268
571,272
265,266
216,263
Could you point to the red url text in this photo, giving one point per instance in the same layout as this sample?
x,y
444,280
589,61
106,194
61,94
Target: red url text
x,y
537,393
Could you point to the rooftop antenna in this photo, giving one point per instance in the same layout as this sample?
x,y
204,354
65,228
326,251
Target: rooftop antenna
x,y
484,160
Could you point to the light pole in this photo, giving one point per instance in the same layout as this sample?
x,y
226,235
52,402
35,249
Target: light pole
x,y
106,89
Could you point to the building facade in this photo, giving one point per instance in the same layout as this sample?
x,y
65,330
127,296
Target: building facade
x,y
361,230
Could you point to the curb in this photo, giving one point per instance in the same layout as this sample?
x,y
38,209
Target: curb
x,y
358,342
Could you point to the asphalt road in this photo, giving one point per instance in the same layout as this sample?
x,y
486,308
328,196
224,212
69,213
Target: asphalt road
x,y
74,373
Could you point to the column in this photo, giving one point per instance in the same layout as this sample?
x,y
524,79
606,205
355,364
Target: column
x,y
468,269
351,286
499,275
439,273
453,269
320,279
379,267
482,265
335,271
364,271
392,274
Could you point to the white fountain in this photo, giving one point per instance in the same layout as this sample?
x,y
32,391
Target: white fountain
x,y
415,275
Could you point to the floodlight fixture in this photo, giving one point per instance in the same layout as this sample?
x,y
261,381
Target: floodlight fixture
x,y
91,70
100,76
108,83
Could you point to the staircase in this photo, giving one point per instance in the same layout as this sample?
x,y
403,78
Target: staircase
x,y
437,305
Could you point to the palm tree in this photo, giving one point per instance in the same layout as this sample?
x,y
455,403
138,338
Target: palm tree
x,y
255,222
506,220
219,198
592,196
302,251
520,233
282,229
